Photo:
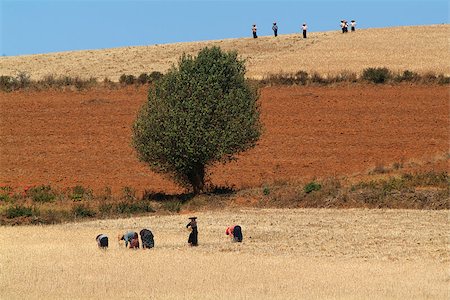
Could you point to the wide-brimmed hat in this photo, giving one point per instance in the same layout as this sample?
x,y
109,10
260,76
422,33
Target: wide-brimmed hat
x,y
193,218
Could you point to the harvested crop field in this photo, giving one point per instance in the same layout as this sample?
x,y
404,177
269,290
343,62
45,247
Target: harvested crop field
x,y
65,138
286,254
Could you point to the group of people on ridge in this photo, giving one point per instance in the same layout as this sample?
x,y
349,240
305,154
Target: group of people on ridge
x,y
344,26
131,238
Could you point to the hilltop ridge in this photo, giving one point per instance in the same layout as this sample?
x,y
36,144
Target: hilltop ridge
x,y
417,48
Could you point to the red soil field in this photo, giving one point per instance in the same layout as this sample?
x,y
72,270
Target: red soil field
x,y
68,138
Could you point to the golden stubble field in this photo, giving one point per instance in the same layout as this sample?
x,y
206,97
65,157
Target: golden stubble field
x,y
286,254
417,48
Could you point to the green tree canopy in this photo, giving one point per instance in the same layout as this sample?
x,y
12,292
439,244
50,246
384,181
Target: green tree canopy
x,y
201,112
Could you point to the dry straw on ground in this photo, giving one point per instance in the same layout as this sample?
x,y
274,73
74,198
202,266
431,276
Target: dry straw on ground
x,y
417,48
286,254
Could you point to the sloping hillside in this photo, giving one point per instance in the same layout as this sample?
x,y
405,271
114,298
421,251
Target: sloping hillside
x,y
417,48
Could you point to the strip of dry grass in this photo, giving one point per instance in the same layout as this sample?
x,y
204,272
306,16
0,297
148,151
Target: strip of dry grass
x,y
370,75
47,205
286,254
417,48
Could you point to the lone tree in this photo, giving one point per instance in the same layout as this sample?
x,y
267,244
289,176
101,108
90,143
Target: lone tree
x,y
201,112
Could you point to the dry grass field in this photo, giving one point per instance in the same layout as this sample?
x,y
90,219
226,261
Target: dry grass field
x,y
286,254
417,48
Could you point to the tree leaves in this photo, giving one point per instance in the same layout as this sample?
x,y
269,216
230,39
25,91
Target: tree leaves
x,y
201,112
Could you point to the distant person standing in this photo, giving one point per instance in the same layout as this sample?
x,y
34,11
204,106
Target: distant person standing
x,y
304,28
254,29
353,25
343,26
193,236
275,29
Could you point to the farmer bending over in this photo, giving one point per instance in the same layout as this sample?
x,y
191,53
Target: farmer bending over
x,y
102,241
235,232
147,239
131,238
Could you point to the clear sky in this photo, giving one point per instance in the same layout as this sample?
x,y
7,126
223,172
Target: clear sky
x,y
42,26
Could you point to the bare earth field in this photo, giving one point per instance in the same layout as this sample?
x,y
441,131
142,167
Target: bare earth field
x,y
416,48
70,138
286,254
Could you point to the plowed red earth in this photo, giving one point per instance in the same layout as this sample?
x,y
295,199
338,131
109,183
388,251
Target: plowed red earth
x,y
66,138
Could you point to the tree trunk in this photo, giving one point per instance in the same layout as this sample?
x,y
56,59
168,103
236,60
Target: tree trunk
x,y
197,179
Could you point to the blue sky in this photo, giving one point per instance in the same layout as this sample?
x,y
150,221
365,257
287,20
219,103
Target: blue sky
x,y
42,26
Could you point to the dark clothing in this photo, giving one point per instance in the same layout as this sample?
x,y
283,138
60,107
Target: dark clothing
x,y
147,239
275,30
304,34
102,241
353,28
193,236
237,234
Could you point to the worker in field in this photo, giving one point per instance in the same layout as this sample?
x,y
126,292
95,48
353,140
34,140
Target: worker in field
x,y
254,29
275,29
304,28
235,232
147,239
342,26
130,238
102,241
353,25
193,236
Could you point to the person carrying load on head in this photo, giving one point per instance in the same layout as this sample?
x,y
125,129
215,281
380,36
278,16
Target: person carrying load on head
x,y
193,236
147,239
130,238
102,241
235,232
